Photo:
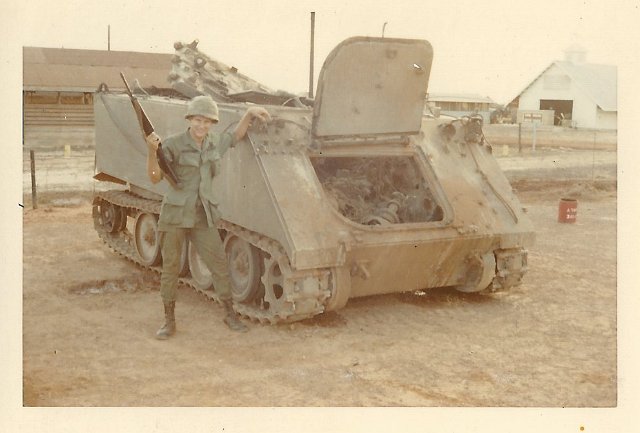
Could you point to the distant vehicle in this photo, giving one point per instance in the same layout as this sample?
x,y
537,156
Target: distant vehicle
x,y
502,115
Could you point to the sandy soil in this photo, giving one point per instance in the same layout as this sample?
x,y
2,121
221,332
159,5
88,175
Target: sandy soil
x,y
89,318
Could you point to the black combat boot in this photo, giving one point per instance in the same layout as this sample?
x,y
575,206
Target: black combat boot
x,y
169,327
231,320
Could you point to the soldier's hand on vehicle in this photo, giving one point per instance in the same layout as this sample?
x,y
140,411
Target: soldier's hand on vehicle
x,y
153,141
259,113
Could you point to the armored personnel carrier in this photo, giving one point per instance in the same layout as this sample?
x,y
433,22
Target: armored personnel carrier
x,y
354,194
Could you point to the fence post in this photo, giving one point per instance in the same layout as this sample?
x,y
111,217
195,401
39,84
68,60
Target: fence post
x,y
519,137
593,158
533,145
34,198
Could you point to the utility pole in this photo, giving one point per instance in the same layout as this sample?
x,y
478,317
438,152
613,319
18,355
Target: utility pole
x,y
109,37
313,25
383,26
519,137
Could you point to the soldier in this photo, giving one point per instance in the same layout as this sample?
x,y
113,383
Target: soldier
x,y
191,212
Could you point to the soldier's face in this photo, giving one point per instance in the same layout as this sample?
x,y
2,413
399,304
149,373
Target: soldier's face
x,y
199,127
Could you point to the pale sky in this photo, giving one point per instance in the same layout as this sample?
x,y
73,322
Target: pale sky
x,y
489,48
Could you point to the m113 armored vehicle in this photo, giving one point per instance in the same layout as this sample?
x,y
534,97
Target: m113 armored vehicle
x,y
354,194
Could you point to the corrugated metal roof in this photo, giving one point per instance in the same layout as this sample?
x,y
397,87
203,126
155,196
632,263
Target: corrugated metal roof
x,y
458,97
84,70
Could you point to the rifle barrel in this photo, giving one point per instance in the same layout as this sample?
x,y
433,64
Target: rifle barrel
x,y
147,129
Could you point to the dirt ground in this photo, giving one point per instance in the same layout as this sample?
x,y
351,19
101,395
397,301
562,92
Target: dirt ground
x,y
89,318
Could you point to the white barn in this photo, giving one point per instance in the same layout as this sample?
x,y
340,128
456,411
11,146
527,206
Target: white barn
x,y
582,95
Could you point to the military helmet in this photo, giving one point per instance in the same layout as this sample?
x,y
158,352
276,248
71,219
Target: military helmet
x,y
203,106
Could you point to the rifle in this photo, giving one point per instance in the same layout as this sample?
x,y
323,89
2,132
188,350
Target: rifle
x,y
147,129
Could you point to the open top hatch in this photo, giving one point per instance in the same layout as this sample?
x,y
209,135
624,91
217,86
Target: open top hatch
x,y
372,87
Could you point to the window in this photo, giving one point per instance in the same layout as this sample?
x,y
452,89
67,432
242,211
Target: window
x,y
71,98
41,98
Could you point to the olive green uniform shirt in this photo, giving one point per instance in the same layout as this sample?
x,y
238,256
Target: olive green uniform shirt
x,y
195,168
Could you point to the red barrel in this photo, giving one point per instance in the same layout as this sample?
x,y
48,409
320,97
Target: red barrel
x,y
567,210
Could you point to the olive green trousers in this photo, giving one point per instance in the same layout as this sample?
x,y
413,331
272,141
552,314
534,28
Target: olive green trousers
x,y
208,244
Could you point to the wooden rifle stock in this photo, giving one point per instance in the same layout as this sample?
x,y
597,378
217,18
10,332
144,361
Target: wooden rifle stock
x,y
147,129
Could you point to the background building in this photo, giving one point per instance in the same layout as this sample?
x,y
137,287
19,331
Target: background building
x,y
580,94
458,105
59,85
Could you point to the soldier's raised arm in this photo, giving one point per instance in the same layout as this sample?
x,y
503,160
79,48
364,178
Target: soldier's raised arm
x,y
252,113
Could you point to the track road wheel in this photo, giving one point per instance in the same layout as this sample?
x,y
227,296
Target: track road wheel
x,y
480,271
244,269
147,240
340,286
112,217
200,274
